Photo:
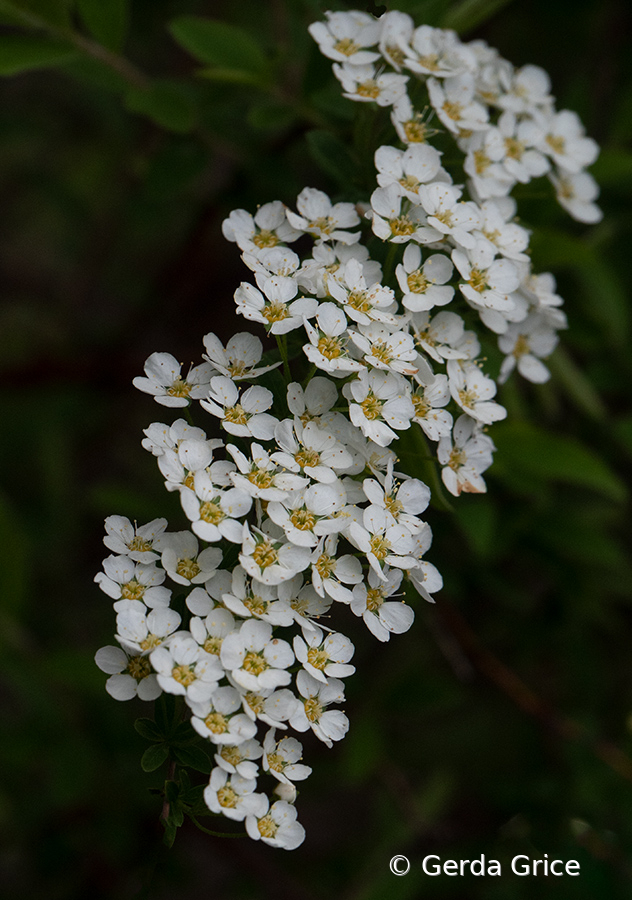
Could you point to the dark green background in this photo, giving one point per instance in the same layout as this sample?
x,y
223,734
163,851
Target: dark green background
x,y
111,249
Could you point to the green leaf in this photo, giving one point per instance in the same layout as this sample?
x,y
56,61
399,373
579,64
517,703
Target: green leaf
x,y
148,730
106,20
219,44
35,13
578,388
194,758
539,454
332,155
471,13
166,712
478,518
167,103
270,115
231,76
154,757
24,52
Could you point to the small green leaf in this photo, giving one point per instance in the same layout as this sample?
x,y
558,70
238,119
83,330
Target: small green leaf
x,y
24,52
154,757
539,454
167,103
270,115
194,758
219,44
148,730
332,155
171,830
578,388
106,20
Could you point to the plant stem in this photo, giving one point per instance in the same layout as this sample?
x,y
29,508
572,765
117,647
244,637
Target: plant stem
x,y
222,834
281,340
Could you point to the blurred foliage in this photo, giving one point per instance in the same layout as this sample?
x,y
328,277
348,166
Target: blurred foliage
x,y
128,131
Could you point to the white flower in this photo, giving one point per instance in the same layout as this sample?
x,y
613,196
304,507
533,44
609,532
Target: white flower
x,y
219,720
528,89
454,103
395,219
368,85
317,398
124,579
437,51
328,345
239,359
137,542
310,514
424,287
464,460
276,826
238,758
139,630
344,36
382,616
488,281
329,569
565,142
383,543
408,168
276,310
161,437
576,194
507,238
245,415
361,303
282,758
427,402
130,675
327,221
233,796
255,659
441,336
324,657
473,391
184,668
210,632
525,342
261,477
449,215
267,228
310,449
269,560
381,405
261,601
180,465
519,139
165,382
214,513
385,349
401,502
328,725
184,564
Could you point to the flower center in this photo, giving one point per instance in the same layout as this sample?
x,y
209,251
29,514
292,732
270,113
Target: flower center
x,y
514,148
265,555
210,512
380,547
179,388
468,398
420,406
255,702
381,352
457,459
346,46
307,458
556,142
231,754
402,225
318,658
417,282
481,161
237,368
522,346
431,61
184,675
416,131
265,238
453,110
276,762
396,54
139,543
260,478
303,519
257,605
236,414
325,224
368,89
151,641
216,723
267,826
372,407
133,590
275,312
313,709
393,505
409,183
478,280
445,217
213,645
359,300
187,568
330,347
374,599
255,663
227,797
325,565
138,667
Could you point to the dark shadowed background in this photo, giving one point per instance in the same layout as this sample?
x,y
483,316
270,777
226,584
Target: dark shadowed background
x,y
501,723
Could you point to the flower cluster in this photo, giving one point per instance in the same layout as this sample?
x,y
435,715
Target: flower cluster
x,y
302,505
